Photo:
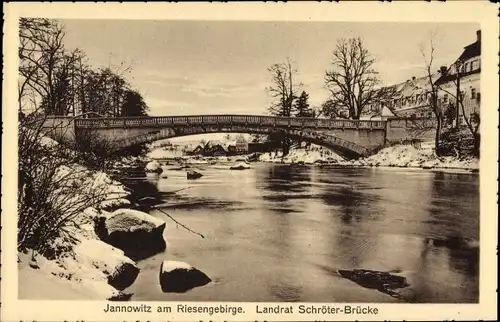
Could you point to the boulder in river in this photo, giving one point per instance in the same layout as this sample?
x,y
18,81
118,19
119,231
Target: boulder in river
x,y
179,277
382,281
120,270
193,175
137,233
240,166
154,166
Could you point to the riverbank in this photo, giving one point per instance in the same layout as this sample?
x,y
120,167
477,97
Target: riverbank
x,y
79,263
403,156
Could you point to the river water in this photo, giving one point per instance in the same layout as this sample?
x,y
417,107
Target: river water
x,y
280,233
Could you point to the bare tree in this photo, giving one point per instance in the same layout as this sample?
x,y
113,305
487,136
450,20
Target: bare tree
x,y
53,187
458,97
352,81
433,89
284,90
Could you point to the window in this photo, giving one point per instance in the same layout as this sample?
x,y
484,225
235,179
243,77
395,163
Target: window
x,y
445,98
473,93
466,69
475,65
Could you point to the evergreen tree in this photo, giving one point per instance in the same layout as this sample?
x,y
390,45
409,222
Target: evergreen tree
x,y
302,108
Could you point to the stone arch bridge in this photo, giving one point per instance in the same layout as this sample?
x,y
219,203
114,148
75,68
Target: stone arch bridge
x,y
349,138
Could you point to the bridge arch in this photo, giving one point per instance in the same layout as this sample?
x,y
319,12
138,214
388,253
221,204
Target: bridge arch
x,y
344,148
349,138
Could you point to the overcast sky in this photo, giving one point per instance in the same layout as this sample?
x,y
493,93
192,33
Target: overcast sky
x,y
197,67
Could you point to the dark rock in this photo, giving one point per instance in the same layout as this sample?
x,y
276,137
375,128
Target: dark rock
x,y
154,167
138,234
191,175
124,276
179,277
121,297
382,281
119,270
34,265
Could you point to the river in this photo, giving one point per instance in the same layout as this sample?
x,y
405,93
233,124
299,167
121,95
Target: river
x,y
280,233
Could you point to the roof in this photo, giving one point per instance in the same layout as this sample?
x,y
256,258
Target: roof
x,y
471,51
449,77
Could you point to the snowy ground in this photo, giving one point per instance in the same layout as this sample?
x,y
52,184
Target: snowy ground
x,y
397,156
302,155
82,269
408,156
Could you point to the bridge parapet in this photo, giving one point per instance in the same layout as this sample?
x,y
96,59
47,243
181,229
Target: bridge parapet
x,y
275,121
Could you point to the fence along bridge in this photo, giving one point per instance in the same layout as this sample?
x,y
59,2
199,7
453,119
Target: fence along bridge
x,y
349,138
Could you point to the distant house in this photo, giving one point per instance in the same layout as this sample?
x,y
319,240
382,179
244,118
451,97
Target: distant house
x,y
198,150
215,148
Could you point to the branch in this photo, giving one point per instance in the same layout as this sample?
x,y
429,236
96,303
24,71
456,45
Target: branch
x,y
178,223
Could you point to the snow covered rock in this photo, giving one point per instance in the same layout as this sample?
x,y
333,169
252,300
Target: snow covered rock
x,y
240,166
120,270
179,277
137,233
193,175
154,166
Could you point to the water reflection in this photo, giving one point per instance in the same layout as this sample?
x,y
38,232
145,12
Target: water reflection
x,y
281,233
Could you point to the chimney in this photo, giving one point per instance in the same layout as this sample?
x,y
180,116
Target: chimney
x,y
443,70
478,35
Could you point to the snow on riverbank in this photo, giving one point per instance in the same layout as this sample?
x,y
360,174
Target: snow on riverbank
x,y
80,265
76,267
397,156
301,156
409,156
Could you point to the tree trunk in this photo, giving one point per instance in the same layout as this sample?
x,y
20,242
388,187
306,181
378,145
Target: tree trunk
x,y
285,146
437,138
458,102
477,144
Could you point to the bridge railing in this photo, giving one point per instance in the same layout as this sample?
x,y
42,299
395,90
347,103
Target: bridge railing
x,y
246,120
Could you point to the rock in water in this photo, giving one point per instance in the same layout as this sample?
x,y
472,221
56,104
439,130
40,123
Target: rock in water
x,y
120,270
154,166
179,277
193,175
137,233
240,166
382,281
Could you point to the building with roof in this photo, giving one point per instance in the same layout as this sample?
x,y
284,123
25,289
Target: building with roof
x,y
412,98
406,99
465,74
